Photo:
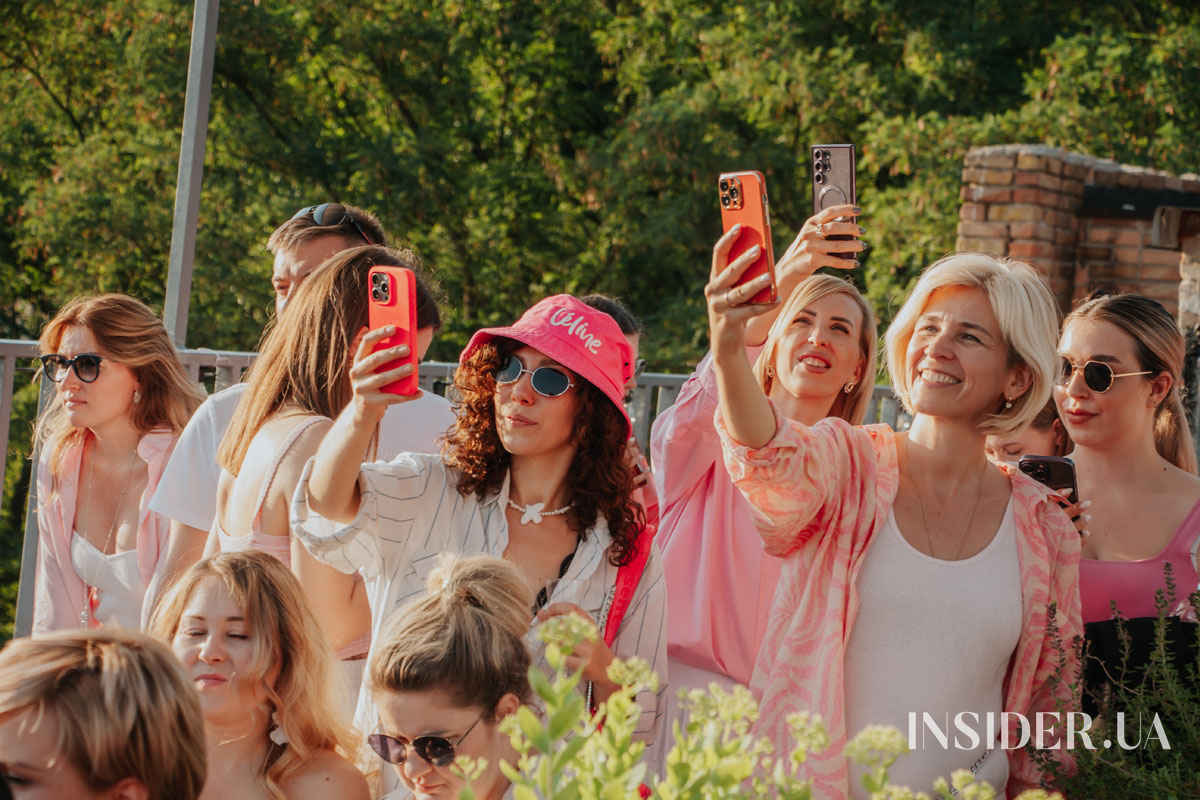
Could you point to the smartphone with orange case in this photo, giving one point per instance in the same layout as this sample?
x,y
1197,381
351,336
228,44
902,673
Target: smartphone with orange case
x,y
393,301
744,200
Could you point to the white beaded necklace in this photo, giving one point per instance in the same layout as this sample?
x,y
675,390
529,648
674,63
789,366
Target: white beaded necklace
x,y
533,512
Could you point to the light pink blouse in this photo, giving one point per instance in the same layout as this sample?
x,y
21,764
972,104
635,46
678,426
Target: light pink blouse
x,y
819,494
719,580
58,589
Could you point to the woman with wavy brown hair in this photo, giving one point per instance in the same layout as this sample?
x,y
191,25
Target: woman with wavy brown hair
x,y
122,397
534,471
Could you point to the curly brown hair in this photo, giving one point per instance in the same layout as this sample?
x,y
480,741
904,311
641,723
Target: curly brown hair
x,y
600,480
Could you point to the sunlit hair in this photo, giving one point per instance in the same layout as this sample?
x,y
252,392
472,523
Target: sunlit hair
x,y
286,637
127,332
599,480
304,360
122,704
465,636
851,407
294,233
1025,310
1159,348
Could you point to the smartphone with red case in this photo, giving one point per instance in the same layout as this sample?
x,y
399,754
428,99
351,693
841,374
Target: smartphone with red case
x,y
1056,473
833,182
393,301
744,201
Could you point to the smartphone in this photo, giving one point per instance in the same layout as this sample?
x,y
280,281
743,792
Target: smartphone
x,y
744,201
833,182
393,301
1056,473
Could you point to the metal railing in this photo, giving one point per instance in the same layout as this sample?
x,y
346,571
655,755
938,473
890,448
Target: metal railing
x,y
654,393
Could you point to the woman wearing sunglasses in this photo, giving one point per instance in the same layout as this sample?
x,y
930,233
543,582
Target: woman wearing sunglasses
x,y
814,358
247,638
121,398
535,471
918,577
449,667
1119,396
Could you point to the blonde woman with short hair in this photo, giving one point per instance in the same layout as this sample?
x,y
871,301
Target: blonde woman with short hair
x,y
918,577
98,714
449,667
241,626
121,399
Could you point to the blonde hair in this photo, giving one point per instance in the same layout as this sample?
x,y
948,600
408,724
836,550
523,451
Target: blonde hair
x,y
287,638
305,361
127,332
123,707
851,407
1028,318
1159,348
465,636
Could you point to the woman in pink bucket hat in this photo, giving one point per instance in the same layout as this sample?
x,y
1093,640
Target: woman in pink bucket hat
x,y
533,471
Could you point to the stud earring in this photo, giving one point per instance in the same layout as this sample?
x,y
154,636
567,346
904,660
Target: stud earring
x,y
1007,404
770,371
137,396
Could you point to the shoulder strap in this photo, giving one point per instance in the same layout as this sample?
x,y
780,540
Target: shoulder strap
x,y
276,460
628,577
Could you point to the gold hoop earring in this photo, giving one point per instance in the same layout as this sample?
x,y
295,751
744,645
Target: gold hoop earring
x,y
770,371
848,388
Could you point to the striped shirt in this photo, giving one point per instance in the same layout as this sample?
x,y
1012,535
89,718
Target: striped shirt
x,y
410,513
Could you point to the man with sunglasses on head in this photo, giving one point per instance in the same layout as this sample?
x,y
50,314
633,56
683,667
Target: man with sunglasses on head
x,y
187,492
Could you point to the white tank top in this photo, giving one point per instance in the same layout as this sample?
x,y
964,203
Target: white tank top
x,y
118,582
934,637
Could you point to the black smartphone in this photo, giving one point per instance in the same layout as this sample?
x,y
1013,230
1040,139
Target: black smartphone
x,y
833,181
1056,473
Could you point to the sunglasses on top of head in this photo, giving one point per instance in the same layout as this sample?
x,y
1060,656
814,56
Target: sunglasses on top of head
x,y
332,215
437,750
1097,375
546,381
86,366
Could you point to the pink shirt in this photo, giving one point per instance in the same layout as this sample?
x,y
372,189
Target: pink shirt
x,y
819,494
58,589
719,580
1132,584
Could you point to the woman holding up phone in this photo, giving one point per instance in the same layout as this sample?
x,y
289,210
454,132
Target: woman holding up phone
x,y
814,358
1118,392
535,471
917,576
121,398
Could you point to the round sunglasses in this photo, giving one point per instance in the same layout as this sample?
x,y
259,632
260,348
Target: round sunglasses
x,y
86,366
1097,375
546,381
437,750
332,215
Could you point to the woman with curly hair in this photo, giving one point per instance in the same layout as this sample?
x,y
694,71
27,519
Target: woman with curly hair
x,y
248,639
534,471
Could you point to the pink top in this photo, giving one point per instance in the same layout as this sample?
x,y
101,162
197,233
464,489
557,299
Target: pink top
x,y
58,589
819,494
1132,584
719,580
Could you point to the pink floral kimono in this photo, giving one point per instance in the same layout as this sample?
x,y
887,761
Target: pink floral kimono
x,y
819,494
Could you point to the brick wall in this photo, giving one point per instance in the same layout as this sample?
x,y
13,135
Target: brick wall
x,y
1025,201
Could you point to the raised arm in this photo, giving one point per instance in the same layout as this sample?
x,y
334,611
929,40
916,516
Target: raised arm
x,y
333,485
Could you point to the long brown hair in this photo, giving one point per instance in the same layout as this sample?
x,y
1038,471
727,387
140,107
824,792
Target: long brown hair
x,y
304,361
599,481
286,636
1159,347
127,332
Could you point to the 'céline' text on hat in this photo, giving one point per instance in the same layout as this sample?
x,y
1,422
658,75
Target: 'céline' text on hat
x,y
576,327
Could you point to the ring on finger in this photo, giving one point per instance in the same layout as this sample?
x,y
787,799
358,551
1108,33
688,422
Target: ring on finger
x,y
821,229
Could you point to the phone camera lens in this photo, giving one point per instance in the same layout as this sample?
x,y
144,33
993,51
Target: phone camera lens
x,y
733,193
819,178
725,200
375,294
724,185
376,278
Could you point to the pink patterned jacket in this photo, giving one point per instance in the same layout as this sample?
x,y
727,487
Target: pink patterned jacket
x,y
819,494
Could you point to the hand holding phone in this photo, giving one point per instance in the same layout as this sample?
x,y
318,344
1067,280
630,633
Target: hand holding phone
x,y
1056,473
393,293
744,202
833,182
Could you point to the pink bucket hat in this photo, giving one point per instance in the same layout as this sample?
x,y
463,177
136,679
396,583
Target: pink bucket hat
x,y
586,341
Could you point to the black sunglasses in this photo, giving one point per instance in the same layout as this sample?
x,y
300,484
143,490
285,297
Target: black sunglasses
x,y
1097,375
86,366
546,381
437,750
639,367
332,215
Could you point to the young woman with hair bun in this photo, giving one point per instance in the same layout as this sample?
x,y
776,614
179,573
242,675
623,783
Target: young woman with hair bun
x,y
1119,394
247,637
450,666
121,399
